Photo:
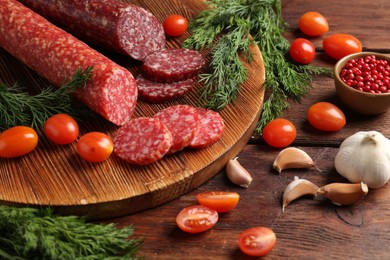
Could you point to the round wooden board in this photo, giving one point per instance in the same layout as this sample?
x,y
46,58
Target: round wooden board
x,y
54,175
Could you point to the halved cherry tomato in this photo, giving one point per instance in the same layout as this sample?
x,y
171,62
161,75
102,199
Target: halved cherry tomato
x,y
313,24
221,201
339,45
302,51
326,117
175,25
257,241
279,133
95,146
17,141
196,219
61,129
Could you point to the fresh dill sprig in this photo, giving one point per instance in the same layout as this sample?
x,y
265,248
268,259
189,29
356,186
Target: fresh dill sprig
x,y
262,19
18,107
30,233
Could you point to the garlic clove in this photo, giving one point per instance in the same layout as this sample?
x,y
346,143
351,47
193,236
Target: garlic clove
x,y
298,188
343,193
292,157
237,174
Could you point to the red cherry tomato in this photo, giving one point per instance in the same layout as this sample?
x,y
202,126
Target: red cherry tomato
x,y
61,129
95,147
257,241
196,219
221,201
326,117
313,24
175,25
17,141
302,51
338,46
279,133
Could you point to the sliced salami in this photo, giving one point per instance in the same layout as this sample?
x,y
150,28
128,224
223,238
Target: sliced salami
x,y
56,55
111,24
183,122
171,65
157,92
210,130
142,141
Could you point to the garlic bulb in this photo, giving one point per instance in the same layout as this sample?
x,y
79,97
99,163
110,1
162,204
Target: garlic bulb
x,y
365,157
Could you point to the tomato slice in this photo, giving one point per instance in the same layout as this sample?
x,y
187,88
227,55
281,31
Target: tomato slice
x,y
326,117
196,219
17,141
221,201
257,241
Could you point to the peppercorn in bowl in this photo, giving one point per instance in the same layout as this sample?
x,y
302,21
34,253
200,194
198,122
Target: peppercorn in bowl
x,y
362,82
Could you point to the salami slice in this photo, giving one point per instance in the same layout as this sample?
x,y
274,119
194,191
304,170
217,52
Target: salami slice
x,y
111,24
142,141
183,122
157,92
171,65
210,130
56,55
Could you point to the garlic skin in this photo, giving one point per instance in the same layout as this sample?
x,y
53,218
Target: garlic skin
x,y
365,157
237,174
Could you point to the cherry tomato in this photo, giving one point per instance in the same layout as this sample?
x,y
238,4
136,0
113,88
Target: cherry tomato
x,y
95,147
175,25
61,129
221,201
196,219
302,51
279,133
339,45
313,24
257,241
17,141
326,117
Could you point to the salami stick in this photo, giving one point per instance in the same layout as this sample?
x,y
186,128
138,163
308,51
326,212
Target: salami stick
x,y
56,55
112,24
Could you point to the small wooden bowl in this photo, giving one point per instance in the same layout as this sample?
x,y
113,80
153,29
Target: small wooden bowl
x,y
359,101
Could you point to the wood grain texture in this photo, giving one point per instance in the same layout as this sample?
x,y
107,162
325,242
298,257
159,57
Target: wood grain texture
x,y
54,175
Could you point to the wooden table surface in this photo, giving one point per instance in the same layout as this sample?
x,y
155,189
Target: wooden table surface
x,y
308,229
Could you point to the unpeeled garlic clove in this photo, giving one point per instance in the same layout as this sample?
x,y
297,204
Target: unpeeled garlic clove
x,y
238,174
343,193
292,157
298,188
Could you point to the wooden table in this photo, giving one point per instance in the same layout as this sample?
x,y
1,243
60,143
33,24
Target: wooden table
x,y
308,229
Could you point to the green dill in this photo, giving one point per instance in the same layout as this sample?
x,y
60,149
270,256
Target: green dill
x,y
18,107
30,233
233,21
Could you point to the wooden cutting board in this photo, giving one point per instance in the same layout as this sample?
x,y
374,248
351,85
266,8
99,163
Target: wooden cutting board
x,y
54,175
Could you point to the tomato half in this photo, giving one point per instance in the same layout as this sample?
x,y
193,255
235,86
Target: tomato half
x,y
302,51
61,129
17,141
175,25
279,133
326,117
313,24
95,146
257,241
338,46
221,201
196,219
